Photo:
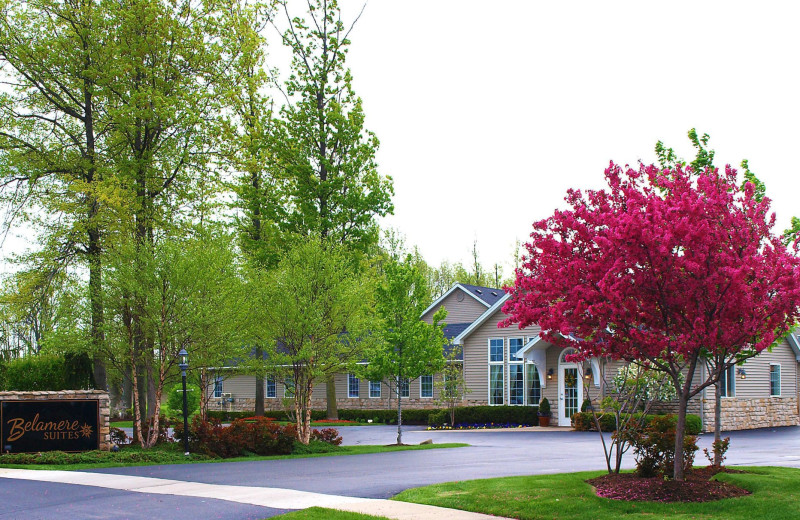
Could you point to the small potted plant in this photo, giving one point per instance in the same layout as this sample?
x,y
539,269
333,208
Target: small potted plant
x,y
544,412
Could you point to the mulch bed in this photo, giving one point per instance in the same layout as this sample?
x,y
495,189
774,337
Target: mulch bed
x,y
696,488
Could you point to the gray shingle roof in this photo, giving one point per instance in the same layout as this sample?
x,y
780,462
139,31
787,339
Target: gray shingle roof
x,y
486,294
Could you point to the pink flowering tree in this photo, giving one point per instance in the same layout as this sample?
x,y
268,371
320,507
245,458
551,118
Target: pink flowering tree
x,y
663,268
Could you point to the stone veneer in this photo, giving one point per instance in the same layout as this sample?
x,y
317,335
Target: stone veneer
x,y
101,396
241,404
747,414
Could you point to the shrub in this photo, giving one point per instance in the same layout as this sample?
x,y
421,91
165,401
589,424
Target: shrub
x,y
313,446
46,372
586,406
438,419
327,435
544,408
654,447
259,435
175,399
583,421
118,436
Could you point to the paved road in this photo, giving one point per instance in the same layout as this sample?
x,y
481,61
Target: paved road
x,y
491,454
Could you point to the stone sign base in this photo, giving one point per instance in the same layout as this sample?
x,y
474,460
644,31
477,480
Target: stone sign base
x,y
71,395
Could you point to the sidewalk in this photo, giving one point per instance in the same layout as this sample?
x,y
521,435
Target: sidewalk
x,y
277,498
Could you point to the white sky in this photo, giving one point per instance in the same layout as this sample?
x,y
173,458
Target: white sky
x,y
488,112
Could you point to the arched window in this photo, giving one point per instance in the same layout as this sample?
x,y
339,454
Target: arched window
x,y
566,352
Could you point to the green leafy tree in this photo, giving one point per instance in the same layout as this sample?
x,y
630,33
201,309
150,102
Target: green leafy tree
x,y
327,158
410,347
52,171
453,385
314,311
189,291
248,151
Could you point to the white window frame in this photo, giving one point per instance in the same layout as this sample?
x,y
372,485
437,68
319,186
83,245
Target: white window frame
x,y
370,389
780,383
420,387
516,362
501,364
218,390
526,382
730,376
350,378
267,381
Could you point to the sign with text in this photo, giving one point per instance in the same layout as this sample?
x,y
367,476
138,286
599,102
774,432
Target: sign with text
x,y
65,425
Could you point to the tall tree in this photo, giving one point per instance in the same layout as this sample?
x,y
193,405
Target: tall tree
x,y
410,347
248,150
314,312
610,274
51,168
326,157
162,108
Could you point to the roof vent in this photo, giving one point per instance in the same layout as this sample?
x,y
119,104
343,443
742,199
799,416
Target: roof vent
x,y
494,293
478,291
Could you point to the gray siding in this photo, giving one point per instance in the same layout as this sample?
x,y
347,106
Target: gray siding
x,y
465,311
756,385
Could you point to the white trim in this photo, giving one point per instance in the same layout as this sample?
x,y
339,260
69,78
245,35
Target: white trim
x,y
448,293
369,390
515,361
780,380
491,364
730,373
420,387
561,408
266,387
795,344
459,340
358,386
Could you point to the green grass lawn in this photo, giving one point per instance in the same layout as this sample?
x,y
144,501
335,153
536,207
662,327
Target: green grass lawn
x,y
321,513
121,424
173,454
776,495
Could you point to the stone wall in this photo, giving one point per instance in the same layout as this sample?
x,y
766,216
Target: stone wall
x,y
101,396
747,414
241,404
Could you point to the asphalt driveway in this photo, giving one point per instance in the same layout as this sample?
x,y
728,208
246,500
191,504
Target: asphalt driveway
x,y
381,475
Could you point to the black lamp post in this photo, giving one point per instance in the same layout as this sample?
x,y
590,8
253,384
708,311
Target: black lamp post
x,y
184,364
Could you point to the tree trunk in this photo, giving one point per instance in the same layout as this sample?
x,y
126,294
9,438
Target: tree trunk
x,y
259,411
127,388
680,434
399,412
330,398
718,425
152,395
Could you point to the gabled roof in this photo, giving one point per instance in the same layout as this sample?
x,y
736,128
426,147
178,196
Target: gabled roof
x,y
481,319
486,296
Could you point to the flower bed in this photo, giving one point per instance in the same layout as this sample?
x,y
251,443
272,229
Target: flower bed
x,y
698,487
479,426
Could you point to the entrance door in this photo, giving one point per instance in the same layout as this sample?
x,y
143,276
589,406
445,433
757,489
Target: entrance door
x,y
570,393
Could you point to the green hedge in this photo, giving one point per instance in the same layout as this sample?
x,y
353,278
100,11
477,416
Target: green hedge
x,y
464,414
47,372
583,421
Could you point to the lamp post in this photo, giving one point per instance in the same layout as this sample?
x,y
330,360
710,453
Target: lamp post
x,y
184,364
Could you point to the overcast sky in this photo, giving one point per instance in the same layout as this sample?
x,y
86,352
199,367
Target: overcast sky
x,y
488,112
